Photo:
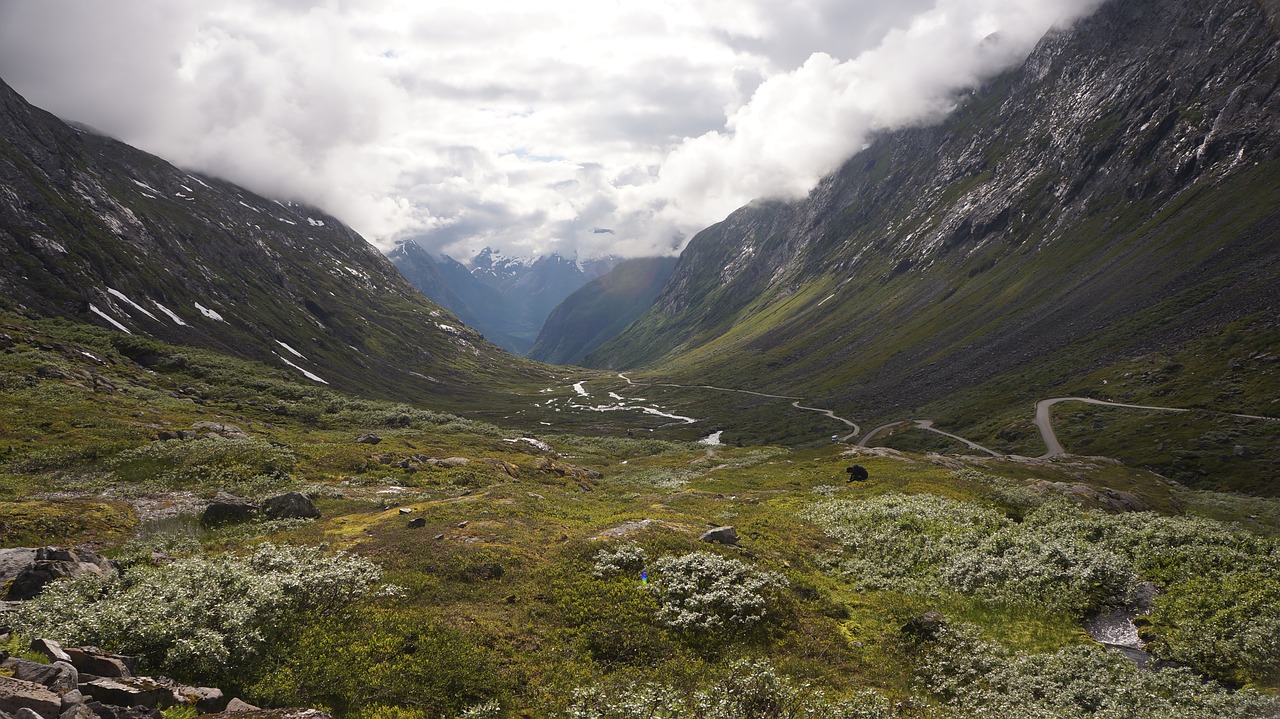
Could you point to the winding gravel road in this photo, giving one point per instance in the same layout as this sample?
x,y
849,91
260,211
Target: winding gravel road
x,y
1054,448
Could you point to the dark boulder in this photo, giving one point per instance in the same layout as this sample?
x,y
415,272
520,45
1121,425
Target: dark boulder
x,y
292,505
228,509
59,676
95,662
370,438
24,572
924,627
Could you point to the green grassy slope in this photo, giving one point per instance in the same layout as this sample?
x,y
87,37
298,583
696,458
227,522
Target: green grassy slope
x,y
499,597
1009,254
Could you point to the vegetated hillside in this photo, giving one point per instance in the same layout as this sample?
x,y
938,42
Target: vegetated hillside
x,y
1115,197
458,570
601,309
507,299
93,229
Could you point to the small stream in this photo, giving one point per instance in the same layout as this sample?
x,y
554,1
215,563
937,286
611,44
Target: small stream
x,y
1115,628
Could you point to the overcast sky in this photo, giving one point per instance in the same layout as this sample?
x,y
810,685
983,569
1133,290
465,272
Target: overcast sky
x,y
596,127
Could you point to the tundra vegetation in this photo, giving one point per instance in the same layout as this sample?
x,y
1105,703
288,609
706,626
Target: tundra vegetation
x,y
573,583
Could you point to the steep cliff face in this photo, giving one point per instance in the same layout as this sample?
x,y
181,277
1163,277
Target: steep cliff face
x,y
93,229
1118,192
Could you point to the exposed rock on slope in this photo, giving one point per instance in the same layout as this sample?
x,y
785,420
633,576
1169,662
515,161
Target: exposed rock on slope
x,y
93,229
1118,193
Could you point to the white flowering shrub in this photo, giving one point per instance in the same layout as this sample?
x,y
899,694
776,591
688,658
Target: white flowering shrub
x,y
703,591
620,559
977,678
747,690
900,542
1017,566
199,616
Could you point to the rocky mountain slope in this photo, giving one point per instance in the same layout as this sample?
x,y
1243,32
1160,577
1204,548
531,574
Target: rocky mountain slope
x,y
1115,197
600,310
507,299
93,229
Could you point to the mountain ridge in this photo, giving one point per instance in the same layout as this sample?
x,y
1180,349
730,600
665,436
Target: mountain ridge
x,y
1124,174
96,230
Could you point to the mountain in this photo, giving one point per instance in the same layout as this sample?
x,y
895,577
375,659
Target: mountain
x,y
600,310
1116,197
98,231
506,298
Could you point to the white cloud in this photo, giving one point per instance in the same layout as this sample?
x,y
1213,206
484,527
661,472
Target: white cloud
x,y
525,126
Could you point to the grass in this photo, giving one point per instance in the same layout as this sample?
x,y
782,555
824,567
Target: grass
x,y
499,601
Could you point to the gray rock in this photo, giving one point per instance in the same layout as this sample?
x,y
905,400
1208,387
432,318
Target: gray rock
x,y
720,535
222,429
16,694
454,462
61,677
236,706
406,510
77,711
370,438
291,505
108,711
129,692
25,571
207,699
228,509
98,663
417,522
25,713
71,698
50,649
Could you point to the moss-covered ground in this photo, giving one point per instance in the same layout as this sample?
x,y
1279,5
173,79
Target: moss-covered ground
x,y
499,599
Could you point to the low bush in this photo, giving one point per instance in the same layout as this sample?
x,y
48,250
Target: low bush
x,y
746,690
385,664
974,677
203,618
703,591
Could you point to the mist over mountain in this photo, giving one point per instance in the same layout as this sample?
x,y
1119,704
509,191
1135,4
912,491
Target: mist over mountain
x,y
1114,197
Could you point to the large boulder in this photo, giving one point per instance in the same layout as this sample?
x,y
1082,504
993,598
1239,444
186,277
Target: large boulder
x,y
24,571
61,677
18,694
94,661
292,505
720,535
129,692
228,509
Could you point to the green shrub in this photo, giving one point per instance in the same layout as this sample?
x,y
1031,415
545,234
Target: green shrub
x,y
703,591
746,690
212,461
202,618
977,678
383,663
